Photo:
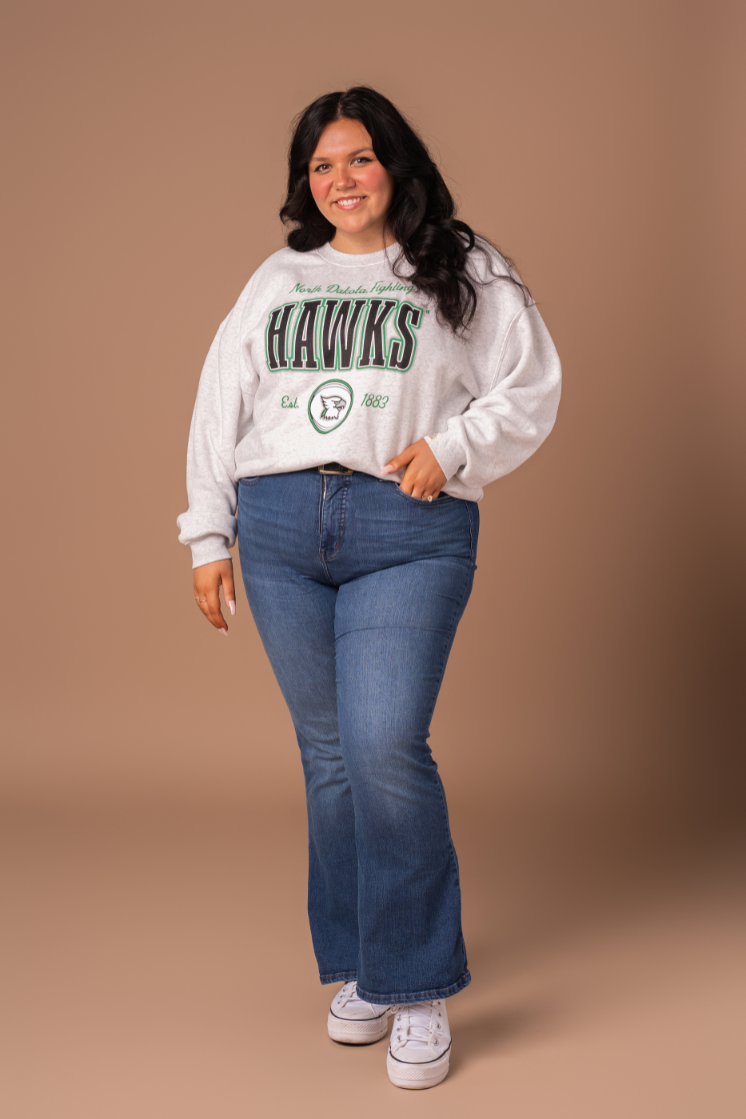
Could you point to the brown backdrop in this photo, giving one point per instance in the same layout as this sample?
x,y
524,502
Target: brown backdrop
x,y
597,668
598,145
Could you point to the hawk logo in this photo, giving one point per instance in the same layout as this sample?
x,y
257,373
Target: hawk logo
x,y
333,405
329,405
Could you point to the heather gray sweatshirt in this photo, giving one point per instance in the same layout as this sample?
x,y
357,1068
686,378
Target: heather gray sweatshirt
x,y
328,356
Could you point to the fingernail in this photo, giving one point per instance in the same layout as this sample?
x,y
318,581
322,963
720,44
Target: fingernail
x,y
388,469
231,606
224,632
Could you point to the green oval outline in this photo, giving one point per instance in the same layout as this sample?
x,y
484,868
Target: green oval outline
x,y
331,381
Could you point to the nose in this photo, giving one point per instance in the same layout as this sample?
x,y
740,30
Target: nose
x,y
344,177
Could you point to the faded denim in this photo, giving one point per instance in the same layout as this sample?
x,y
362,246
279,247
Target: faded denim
x,y
356,589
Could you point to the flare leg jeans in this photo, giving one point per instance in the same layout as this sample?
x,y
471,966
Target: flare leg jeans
x,y
356,590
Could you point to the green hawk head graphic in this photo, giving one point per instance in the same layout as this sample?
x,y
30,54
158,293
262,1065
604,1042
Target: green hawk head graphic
x,y
333,406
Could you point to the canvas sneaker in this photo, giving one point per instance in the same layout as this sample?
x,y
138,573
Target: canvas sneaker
x,y
420,1046
356,1022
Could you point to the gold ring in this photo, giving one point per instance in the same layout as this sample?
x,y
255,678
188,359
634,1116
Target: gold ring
x,y
203,600
430,497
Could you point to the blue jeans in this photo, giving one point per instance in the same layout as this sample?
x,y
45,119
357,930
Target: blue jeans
x,y
356,589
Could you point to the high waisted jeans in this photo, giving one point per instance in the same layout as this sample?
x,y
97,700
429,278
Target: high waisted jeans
x,y
356,589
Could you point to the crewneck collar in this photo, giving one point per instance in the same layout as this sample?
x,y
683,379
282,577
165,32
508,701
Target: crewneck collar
x,y
359,260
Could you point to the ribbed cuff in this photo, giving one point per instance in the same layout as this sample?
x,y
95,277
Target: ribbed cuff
x,y
448,451
208,550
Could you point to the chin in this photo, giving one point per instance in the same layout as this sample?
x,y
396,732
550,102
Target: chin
x,y
352,227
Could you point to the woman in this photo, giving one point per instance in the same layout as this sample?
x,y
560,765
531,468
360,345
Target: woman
x,y
372,378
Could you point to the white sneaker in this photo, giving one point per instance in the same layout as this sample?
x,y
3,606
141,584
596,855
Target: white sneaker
x,y
420,1046
356,1022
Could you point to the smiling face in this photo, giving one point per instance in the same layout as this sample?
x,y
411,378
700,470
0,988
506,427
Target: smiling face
x,y
351,188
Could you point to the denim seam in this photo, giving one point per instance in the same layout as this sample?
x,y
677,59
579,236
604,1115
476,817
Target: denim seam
x,y
452,850
442,791
471,531
342,522
321,526
459,613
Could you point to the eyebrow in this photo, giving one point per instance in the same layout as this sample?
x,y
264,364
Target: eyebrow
x,y
325,159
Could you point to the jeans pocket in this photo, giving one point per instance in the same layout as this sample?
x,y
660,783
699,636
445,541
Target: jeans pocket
x,y
441,499
249,481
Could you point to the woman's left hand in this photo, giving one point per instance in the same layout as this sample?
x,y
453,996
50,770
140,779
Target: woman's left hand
x,y
423,476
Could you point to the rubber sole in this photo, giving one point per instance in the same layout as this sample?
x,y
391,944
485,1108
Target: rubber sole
x,y
352,1031
405,1075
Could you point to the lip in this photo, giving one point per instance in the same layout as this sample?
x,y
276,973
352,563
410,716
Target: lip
x,y
356,200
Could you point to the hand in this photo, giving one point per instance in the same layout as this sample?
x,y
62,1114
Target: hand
x,y
423,476
207,581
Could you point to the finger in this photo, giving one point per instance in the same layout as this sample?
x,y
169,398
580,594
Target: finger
x,y
201,602
213,612
209,603
430,487
412,483
416,478
400,461
432,482
229,593
420,483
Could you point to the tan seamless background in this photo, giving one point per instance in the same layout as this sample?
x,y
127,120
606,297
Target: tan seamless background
x,y
598,672
598,144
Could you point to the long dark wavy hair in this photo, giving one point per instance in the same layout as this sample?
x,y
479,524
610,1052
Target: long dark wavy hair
x,y
421,217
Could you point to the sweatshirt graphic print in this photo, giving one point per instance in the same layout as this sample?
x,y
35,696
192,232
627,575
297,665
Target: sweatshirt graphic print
x,y
328,356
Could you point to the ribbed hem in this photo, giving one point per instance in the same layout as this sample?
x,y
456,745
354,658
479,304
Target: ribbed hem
x,y
404,997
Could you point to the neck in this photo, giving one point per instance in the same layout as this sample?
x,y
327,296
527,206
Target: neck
x,y
369,241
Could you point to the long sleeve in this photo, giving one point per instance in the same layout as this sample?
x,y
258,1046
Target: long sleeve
x,y
500,430
221,415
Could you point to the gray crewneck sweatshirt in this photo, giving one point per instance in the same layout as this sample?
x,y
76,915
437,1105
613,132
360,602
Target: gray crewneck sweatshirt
x,y
329,356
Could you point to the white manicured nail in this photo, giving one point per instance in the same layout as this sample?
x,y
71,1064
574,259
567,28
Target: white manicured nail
x,y
388,470
231,606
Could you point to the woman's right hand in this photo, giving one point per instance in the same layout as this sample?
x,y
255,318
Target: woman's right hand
x,y
208,579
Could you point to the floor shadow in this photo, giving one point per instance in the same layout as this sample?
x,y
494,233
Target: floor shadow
x,y
486,1034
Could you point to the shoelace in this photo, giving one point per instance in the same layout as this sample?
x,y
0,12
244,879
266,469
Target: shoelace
x,y
348,992
421,1023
